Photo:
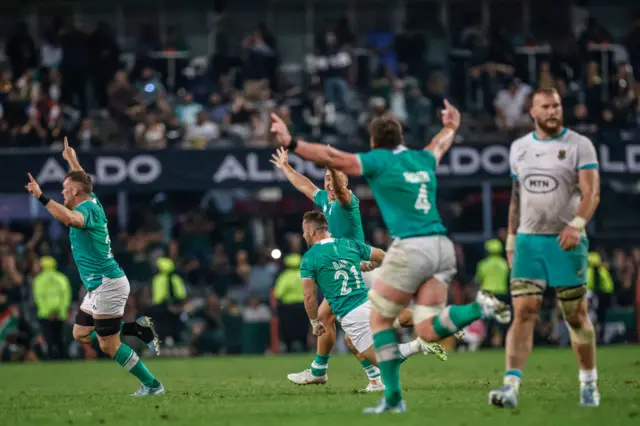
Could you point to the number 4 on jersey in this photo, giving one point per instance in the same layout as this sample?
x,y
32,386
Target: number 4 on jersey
x,y
422,202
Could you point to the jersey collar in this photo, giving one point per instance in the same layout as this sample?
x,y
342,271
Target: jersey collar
x,y
326,240
558,136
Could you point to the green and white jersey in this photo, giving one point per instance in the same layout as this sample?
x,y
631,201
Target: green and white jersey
x,y
334,264
91,245
403,182
344,221
548,174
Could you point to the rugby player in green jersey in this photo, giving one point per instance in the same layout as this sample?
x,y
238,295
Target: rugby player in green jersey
x,y
342,209
421,261
101,311
334,265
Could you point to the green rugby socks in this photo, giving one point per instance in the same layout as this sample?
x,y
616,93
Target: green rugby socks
x,y
127,358
453,318
373,372
320,365
389,360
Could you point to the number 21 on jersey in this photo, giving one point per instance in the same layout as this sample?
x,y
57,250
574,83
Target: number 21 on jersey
x,y
344,276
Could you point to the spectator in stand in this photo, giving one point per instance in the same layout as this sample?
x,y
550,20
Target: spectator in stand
x,y
421,115
200,85
104,61
333,65
510,104
207,332
152,133
27,88
381,40
87,135
258,61
397,101
48,114
50,50
218,111
188,111
620,112
21,49
75,67
239,119
125,104
149,86
201,133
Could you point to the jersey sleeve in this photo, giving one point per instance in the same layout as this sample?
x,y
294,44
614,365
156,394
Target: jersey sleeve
x,y
432,163
587,156
88,212
307,269
371,163
355,202
513,171
364,250
320,197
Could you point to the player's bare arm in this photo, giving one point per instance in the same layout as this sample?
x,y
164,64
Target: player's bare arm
x,y
311,305
68,217
377,256
441,142
343,195
322,155
514,219
281,160
69,154
589,183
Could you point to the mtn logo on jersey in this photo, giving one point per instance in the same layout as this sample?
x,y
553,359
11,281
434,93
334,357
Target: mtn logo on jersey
x,y
539,183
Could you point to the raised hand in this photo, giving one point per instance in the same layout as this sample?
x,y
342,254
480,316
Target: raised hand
x,y
279,129
450,115
69,154
281,158
33,187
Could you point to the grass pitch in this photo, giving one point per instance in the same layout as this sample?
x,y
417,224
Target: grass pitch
x,y
254,391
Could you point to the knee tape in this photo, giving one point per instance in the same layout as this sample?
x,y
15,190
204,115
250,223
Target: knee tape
x,y
582,335
383,306
107,327
570,298
422,313
523,287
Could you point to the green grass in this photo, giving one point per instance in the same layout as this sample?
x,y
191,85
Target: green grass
x,y
254,391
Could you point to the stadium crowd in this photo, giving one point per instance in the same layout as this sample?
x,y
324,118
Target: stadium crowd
x,y
215,283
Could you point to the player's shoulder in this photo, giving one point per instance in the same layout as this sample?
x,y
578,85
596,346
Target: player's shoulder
x,y
522,141
574,137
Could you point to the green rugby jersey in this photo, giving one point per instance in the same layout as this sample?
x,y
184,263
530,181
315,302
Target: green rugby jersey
x,y
404,184
334,264
91,245
344,221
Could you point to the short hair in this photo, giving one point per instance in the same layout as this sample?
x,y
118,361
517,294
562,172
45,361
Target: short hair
x,y
83,179
545,90
386,132
318,220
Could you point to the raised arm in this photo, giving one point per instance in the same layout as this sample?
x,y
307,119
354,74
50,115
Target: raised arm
x,y
375,260
441,142
68,217
69,154
300,182
322,155
343,195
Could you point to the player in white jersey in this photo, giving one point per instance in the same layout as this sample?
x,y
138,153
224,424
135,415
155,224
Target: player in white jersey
x,y
556,190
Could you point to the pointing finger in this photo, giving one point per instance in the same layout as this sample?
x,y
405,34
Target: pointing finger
x,y
66,143
31,178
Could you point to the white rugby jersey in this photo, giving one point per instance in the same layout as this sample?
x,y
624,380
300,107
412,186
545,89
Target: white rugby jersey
x,y
548,174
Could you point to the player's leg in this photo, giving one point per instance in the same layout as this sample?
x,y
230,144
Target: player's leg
x,y
528,282
317,374
369,366
84,325
433,320
574,308
109,302
567,274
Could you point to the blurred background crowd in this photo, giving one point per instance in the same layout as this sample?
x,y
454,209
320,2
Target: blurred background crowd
x,y
218,269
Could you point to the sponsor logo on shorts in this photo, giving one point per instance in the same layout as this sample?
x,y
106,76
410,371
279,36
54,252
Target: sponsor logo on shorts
x,y
539,183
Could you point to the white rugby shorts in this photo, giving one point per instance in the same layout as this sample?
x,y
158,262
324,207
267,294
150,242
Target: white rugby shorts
x,y
409,262
357,326
107,299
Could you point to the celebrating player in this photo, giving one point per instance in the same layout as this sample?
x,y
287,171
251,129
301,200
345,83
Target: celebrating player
x,y
403,182
556,190
342,209
101,311
334,265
